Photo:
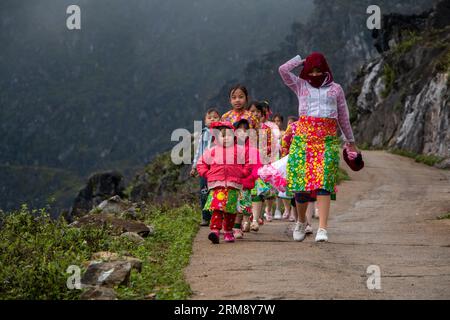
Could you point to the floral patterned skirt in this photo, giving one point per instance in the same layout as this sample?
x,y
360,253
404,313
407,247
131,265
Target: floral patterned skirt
x,y
313,156
285,195
222,199
264,189
245,202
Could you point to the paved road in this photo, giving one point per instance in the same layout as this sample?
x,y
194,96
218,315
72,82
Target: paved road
x,y
385,216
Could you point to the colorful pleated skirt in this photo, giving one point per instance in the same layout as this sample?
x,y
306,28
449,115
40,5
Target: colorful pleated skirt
x,y
264,189
287,195
313,156
245,202
222,199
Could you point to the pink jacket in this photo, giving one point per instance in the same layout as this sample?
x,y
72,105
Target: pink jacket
x,y
254,159
221,171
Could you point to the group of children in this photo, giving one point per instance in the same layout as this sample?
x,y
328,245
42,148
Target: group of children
x,y
302,161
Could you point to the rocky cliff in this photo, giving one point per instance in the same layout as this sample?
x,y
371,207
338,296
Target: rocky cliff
x,y
338,29
400,100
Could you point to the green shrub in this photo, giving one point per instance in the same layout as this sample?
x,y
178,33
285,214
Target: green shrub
x,y
430,160
443,65
444,216
35,252
389,78
364,146
407,44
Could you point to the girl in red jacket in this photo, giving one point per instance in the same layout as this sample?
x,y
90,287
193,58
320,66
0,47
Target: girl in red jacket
x,y
253,159
224,167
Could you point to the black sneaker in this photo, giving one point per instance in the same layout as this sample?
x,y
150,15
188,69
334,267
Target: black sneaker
x,y
204,223
214,237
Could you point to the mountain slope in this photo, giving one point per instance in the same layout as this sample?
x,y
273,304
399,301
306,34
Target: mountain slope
x,y
86,100
338,29
107,97
401,100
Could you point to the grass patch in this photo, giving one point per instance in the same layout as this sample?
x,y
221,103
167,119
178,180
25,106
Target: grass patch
x,y
164,255
364,146
444,216
443,64
35,252
369,147
352,98
388,78
406,45
429,160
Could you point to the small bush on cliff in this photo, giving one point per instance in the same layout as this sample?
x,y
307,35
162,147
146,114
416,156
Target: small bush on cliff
x,y
406,45
388,78
443,65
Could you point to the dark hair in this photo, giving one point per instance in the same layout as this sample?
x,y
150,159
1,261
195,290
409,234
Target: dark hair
x,y
252,103
239,87
211,110
258,106
293,118
278,115
266,108
244,122
265,104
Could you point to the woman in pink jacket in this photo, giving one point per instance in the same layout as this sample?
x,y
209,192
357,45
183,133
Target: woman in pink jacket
x,y
224,167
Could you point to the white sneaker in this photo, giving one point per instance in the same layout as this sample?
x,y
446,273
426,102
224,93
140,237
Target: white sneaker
x,y
278,215
321,235
246,226
299,232
308,229
254,226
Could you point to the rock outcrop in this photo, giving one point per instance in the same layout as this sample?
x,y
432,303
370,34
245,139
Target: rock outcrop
x,y
401,99
100,186
118,225
104,272
164,182
117,214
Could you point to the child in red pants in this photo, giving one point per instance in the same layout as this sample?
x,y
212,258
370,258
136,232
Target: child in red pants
x,y
224,166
